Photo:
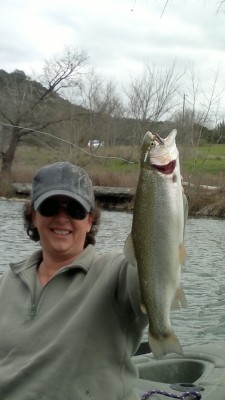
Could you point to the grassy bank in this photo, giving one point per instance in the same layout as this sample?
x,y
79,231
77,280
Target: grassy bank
x,y
119,166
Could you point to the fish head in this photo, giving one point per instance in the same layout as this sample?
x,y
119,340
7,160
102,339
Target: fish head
x,y
158,153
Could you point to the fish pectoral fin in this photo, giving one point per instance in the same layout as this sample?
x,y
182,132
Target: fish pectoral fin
x,y
179,300
129,250
143,309
182,254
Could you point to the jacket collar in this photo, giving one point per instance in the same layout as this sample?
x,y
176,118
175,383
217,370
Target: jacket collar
x,y
84,261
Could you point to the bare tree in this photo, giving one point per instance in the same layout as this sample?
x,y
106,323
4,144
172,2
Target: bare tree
x,y
90,93
64,70
111,108
104,105
201,112
27,106
219,5
152,97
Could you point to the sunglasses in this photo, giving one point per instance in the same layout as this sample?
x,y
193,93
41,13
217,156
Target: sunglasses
x,y
53,206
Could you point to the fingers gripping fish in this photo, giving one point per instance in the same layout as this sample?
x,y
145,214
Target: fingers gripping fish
x,y
155,243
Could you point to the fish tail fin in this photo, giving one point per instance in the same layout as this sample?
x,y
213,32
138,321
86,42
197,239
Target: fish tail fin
x,y
160,346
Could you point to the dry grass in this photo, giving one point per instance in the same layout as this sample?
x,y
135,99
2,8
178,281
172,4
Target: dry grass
x,y
206,202
23,174
201,178
101,177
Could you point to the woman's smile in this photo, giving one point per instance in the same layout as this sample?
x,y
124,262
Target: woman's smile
x,y
61,232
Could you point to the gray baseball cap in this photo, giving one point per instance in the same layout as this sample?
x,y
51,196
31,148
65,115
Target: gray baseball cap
x,y
62,178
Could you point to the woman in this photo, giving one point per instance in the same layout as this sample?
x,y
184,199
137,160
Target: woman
x,y
70,318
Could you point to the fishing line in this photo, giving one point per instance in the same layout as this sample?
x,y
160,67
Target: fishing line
x,y
68,142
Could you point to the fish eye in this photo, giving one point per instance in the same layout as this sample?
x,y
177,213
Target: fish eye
x,y
152,144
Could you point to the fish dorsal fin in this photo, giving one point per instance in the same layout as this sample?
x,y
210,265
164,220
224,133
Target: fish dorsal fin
x,y
129,250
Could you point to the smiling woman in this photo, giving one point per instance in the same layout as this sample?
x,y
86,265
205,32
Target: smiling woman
x,y
59,215
66,304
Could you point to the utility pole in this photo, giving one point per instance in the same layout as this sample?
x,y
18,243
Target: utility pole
x,y
183,114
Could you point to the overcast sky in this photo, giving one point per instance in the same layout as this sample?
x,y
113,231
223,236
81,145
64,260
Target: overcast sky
x,y
118,35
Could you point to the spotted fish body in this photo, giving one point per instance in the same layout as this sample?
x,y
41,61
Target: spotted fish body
x,y
155,244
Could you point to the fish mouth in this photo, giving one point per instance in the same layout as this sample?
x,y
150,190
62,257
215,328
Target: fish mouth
x,y
166,169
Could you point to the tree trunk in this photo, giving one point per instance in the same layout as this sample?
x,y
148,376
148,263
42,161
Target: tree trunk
x,y
8,156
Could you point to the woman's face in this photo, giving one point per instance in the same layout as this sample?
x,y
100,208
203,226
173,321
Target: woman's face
x,y
62,236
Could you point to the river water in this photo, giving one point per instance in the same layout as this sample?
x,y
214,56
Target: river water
x,y
203,276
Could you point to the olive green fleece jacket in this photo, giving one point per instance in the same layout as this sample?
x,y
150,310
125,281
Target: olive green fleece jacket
x,y
77,340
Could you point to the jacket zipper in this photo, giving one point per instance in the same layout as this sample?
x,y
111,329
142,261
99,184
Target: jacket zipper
x,y
33,311
33,306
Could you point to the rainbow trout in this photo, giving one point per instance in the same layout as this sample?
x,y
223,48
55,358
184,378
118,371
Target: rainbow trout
x,y
155,243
